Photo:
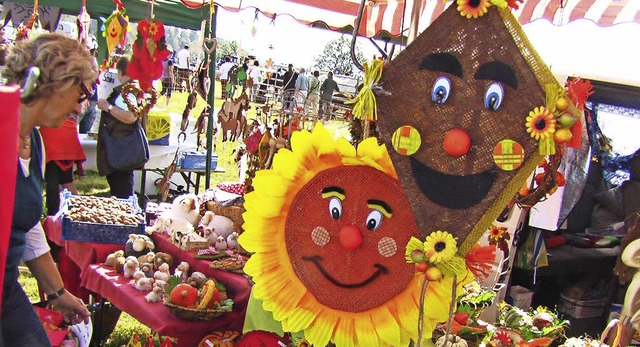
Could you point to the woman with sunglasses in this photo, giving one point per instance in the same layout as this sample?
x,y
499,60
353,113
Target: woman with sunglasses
x,y
116,119
54,71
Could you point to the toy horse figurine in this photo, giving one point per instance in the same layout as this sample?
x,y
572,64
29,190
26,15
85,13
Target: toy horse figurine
x,y
231,117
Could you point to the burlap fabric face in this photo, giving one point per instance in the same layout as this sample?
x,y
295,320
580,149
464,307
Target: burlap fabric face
x,y
345,279
462,195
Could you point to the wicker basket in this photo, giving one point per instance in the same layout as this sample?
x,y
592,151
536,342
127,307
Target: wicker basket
x,y
232,212
193,313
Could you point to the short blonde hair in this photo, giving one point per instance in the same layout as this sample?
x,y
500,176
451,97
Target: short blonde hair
x,y
62,61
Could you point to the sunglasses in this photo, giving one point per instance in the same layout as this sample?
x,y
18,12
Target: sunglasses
x,y
85,92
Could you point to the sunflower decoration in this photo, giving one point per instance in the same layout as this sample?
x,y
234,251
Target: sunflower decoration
x,y
477,8
436,256
326,225
499,236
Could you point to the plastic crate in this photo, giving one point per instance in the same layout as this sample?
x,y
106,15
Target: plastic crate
x,y
97,232
196,161
582,308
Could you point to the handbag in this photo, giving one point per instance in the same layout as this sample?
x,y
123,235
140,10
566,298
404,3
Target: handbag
x,y
127,152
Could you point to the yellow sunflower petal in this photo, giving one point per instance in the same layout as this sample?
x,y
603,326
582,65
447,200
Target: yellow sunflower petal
x,y
386,326
300,319
366,332
345,333
319,333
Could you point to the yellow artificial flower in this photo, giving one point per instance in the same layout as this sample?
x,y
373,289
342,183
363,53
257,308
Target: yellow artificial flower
x,y
440,247
541,123
473,8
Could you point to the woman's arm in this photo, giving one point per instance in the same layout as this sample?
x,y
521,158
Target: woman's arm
x,y
123,115
49,280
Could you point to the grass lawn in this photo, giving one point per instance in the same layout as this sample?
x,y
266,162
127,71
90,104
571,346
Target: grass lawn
x,y
93,184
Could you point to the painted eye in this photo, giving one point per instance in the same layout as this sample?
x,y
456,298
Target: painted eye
x,y
441,90
374,219
335,208
493,98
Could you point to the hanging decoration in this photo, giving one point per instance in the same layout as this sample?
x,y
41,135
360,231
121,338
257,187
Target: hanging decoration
x,y
33,27
149,51
115,27
84,22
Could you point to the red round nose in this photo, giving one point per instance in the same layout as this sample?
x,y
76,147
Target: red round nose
x,y
350,237
456,142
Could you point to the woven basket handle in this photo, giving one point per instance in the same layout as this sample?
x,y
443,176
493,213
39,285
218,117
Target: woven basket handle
x,y
616,341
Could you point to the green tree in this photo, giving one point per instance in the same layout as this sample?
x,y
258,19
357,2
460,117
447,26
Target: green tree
x,y
337,56
230,48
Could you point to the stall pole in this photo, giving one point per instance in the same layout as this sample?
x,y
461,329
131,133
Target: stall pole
x,y
211,96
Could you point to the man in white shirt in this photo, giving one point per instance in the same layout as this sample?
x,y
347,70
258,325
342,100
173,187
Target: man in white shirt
x,y
224,75
184,73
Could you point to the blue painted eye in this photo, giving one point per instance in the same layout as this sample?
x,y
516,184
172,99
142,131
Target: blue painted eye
x,y
335,208
441,90
374,219
493,97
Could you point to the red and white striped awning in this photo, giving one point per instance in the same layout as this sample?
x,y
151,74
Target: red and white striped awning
x,y
392,17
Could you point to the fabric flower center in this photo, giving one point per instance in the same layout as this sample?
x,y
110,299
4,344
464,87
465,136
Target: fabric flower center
x,y
474,3
440,246
540,123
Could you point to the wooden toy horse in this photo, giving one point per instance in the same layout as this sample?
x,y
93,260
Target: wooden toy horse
x,y
232,119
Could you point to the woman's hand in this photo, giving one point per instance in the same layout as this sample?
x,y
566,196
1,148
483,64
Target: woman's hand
x,y
73,308
103,105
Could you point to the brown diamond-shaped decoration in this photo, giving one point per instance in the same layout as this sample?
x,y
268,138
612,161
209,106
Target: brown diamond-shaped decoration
x,y
462,80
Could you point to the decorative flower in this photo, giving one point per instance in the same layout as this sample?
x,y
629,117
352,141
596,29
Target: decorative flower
x,y
541,123
391,322
498,234
440,247
473,8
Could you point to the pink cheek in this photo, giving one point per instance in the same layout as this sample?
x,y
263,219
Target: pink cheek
x,y
320,236
387,247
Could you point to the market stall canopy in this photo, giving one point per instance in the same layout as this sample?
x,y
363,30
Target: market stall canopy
x,y
170,12
384,18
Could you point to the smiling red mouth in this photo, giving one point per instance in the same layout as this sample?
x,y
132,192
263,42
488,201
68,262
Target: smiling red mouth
x,y
452,191
317,261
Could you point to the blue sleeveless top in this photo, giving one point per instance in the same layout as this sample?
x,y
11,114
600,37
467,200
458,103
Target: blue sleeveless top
x,y
27,208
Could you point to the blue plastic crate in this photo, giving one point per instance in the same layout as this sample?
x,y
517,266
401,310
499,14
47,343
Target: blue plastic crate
x,y
197,161
98,233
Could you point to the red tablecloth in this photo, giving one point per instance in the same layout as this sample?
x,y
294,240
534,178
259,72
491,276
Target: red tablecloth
x,y
117,289
86,265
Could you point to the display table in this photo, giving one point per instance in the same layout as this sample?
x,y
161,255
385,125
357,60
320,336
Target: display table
x,y
117,289
94,276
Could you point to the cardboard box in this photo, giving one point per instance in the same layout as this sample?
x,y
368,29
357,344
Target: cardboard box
x,y
158,128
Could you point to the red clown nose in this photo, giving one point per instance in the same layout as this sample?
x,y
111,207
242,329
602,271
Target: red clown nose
x,y
350,237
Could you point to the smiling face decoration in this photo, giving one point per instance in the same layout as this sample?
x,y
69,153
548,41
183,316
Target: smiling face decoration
x,y
453,121
328,226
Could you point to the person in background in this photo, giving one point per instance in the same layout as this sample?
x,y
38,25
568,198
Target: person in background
x,y
289,79
91,112
184,73
224,76
326,96
301,88
65,72
63,150
254,76
313,96
167,79
242,75
118,121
